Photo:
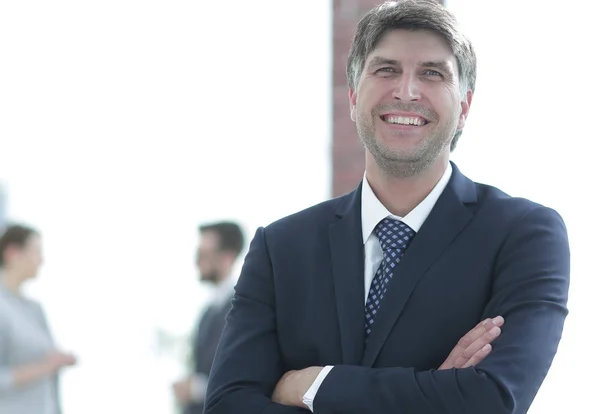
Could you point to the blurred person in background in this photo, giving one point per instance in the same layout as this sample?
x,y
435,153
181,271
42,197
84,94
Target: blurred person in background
x,y
220,246
29,360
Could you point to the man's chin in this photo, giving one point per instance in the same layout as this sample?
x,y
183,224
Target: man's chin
x,y
401,156
401,164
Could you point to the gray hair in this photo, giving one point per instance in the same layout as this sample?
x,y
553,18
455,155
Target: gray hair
x,y
412,15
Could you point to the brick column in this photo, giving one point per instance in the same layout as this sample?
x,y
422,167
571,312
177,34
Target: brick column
x,y
347,153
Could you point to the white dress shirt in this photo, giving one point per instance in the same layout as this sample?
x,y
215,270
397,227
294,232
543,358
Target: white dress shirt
x,y
372,212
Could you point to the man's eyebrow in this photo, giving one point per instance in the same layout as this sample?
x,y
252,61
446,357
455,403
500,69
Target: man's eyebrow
x,y
438,64
380,61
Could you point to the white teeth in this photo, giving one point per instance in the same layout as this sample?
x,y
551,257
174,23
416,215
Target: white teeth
x,y
404,120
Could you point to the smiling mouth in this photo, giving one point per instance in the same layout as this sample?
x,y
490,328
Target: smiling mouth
x,y
404,120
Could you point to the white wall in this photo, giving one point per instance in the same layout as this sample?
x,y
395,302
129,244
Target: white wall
x,y
533,133
124,124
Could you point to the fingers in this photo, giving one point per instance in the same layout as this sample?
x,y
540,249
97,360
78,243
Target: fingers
x,y
481,329
470,347
481,343
479,356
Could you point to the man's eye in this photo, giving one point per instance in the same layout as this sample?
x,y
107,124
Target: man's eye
x,y
430,72
388,69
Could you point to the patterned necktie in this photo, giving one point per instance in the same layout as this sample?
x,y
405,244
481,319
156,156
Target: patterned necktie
x,y
394,237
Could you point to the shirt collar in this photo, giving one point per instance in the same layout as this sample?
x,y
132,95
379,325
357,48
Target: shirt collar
x,y
373,211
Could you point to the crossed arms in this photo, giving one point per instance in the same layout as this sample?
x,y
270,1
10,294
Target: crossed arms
x,y
530,292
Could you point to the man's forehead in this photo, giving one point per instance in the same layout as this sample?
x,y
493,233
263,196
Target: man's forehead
x,y
416,46
209,237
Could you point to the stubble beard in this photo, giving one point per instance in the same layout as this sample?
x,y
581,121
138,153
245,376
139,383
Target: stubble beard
x,y
404,164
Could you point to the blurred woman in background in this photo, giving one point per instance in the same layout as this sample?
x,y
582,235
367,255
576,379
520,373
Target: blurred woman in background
x,y
29,361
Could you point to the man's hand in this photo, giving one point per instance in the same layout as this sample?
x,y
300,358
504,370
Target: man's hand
x,y
293,385
183,391
475,345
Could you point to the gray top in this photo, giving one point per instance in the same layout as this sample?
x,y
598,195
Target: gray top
x,y
24,339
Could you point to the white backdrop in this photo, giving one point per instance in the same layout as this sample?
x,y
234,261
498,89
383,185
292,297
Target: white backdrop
x,y
123,125
532,132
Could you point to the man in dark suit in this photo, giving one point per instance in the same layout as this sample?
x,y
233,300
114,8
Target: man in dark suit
x,y
358,305
220,246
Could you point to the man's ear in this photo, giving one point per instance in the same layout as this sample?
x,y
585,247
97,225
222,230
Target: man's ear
x,y
352,97
465,106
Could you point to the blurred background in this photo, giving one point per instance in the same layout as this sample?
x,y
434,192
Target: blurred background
x,y
124,124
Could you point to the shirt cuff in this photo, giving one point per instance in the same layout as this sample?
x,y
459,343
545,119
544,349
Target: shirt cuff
x,y
198,384
309,398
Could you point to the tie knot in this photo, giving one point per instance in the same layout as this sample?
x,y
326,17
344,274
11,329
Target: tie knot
x,y
393,234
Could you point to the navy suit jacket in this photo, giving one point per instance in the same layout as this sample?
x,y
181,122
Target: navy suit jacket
x,y
300,302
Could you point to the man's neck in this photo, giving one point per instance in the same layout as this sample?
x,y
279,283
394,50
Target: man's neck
x,y
400,195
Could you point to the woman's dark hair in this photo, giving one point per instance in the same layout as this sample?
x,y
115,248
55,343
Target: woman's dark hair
x,y
14,235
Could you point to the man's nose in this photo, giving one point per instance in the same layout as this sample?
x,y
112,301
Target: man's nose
x,y
407,89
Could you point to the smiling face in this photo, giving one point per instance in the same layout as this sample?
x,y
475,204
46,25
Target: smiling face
x,y
408,103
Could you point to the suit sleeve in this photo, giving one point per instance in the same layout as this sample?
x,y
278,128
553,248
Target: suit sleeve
x,y
531,281
247,363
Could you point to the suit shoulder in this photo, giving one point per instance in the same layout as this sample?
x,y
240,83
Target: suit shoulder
x,y
511,215
507,206
314,217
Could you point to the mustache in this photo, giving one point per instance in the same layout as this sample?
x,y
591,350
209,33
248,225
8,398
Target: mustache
x,y
405,107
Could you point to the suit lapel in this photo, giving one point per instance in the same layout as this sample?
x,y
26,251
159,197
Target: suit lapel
x,y
347,258
445,222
